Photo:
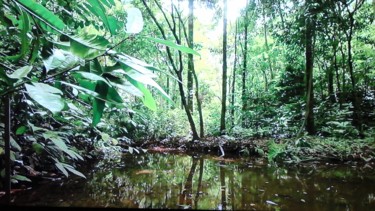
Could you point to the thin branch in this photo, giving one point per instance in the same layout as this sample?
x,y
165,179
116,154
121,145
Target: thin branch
x,y
163,34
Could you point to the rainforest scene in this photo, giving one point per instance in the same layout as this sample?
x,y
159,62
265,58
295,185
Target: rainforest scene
x,y
188,104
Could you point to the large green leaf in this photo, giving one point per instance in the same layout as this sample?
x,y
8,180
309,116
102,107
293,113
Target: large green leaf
x,y
109,3
38,148
60,144
99,10
88,46
147,81
61,168
129,88
46,95
174,45
21,178
88,91
73,170
113,95
24,26
139,71
91,76
133,63
42,13
147,99
99,104
14,144
21,72
60,59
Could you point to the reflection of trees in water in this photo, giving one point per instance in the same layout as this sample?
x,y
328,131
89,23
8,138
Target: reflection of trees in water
x,y
175,181
186,195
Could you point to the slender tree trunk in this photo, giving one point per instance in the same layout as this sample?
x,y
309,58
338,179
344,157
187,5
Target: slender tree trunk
x,y
281,14
330,84
190,40
190,57
234,76
335,65
199,105
266,44
224,84
309,54
192,71
350,56
357,122
244,72
343,68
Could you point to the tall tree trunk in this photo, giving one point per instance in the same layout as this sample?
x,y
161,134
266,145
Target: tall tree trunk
x,y
266,44
199,105
330,84
224,84
234,76
356,98
190,40
192,70
309,54
190,57
336,67
244,71
281,14
343,67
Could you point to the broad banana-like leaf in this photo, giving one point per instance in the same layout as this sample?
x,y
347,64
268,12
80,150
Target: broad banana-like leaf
x,y
99,104
42,13
46,95
147,99
97,8
88,46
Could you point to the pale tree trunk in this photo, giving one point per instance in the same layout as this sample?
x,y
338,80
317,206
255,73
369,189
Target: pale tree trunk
x,y
224,81
190,40
234,75
266,45
244,72
190,57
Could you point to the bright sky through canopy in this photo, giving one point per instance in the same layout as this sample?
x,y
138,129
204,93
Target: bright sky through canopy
x,y
234,9
205,14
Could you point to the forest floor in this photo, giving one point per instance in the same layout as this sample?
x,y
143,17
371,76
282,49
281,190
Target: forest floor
x,y
284,151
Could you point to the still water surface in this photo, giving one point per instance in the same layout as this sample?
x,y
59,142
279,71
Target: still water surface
x,y
178,181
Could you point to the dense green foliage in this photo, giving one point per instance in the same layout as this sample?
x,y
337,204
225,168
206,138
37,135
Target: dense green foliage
x,y
97,76
68,83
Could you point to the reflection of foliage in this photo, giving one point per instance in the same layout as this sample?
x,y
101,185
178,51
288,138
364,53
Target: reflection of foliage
x,y
157,181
